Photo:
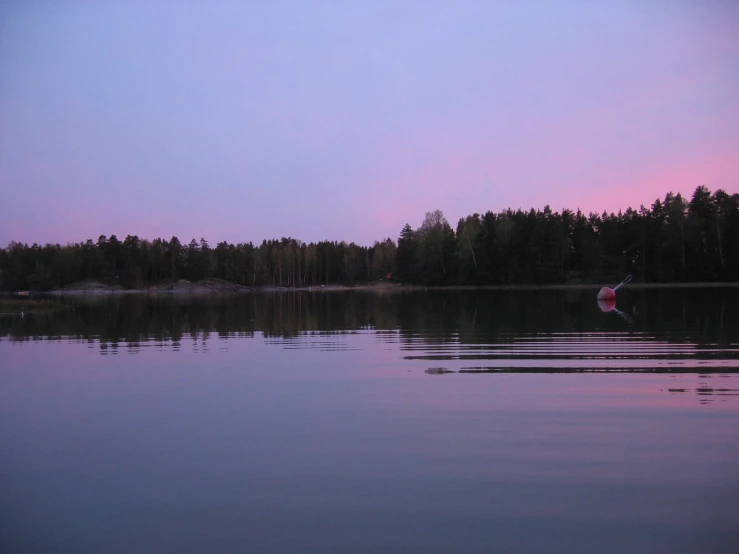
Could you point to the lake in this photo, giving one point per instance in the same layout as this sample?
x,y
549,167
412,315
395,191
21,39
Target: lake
x,y
352,422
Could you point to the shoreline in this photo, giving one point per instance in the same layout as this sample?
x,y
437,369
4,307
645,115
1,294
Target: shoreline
x,y
210,288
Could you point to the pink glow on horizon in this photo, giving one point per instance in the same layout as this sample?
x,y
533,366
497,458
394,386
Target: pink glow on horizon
x,y
683,177
614,192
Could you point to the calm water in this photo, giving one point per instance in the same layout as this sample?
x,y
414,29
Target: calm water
x,y
361,422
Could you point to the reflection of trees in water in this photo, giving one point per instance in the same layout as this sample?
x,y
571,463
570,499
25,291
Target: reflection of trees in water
x,y
708,394
701,316
136,318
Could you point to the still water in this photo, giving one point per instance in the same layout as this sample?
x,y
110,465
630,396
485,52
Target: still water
x,y
333,422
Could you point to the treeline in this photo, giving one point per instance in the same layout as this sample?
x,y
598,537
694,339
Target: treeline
x,y
673,240
136,263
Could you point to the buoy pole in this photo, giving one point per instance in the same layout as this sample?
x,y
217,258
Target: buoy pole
x,y
622,283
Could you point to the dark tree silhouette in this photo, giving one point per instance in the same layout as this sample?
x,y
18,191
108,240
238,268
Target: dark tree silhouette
x,y
671,241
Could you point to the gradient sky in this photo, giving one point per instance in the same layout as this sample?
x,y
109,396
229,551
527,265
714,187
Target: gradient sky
x,y
344,120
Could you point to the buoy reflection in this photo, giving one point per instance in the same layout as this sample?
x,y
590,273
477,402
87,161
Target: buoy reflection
x,y
609,305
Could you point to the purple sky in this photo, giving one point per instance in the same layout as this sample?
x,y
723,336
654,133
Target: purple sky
x,y
337,120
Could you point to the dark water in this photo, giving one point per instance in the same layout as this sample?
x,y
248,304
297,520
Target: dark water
x,y
362,422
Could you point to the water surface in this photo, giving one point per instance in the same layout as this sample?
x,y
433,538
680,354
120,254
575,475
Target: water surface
x,y
361,422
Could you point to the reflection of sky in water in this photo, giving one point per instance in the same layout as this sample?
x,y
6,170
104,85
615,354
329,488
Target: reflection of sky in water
x,y
511,352
178,447
341,441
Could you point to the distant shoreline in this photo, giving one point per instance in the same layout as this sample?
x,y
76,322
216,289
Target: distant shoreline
x,y
223,287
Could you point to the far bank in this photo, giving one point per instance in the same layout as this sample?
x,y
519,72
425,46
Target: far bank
x,y
215,286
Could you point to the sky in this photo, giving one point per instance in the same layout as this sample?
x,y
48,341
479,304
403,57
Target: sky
x,y
344,120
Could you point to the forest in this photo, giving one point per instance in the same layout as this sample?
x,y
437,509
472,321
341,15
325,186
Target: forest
x,y
674,240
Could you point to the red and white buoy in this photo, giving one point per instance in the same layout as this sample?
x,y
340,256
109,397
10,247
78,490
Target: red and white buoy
x,y
607,305
609,294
